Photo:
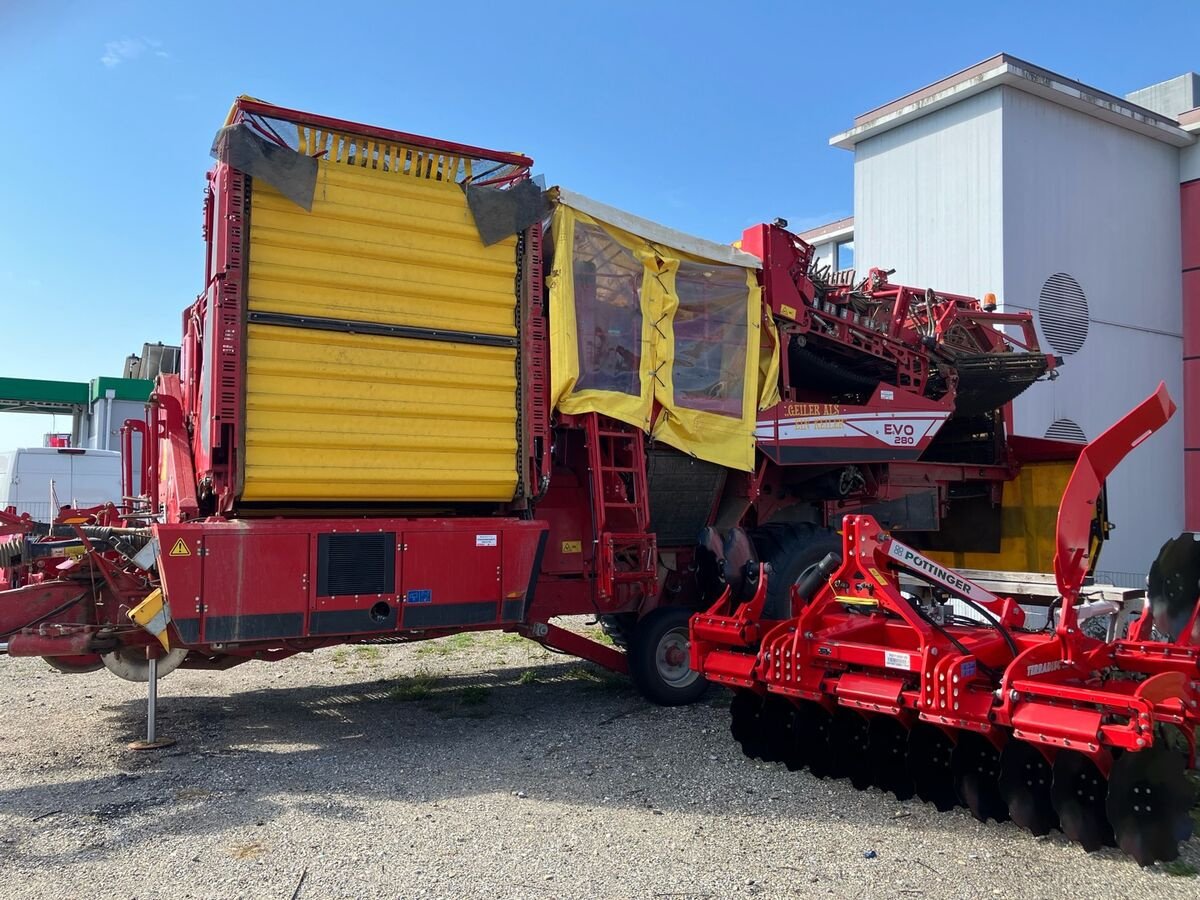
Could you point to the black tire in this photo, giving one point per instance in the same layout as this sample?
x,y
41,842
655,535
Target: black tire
x,y
618,628
653,658
791,550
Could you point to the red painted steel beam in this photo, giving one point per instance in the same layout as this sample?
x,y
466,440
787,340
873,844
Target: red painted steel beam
x,y
257,107
577,645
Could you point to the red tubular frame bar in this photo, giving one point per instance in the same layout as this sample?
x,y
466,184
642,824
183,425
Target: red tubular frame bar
x,y
246,105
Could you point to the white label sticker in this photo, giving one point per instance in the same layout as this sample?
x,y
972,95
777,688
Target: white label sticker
x,y
897,660
887,395
485,540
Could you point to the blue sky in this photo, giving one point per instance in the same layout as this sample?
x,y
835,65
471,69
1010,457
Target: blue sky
x,y
705,116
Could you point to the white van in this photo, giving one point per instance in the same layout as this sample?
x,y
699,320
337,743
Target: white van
x,y
81,478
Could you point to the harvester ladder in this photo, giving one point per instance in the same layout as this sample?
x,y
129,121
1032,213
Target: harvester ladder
x,y
626,553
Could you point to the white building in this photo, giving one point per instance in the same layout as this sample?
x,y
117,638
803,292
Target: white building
x,y
1065,201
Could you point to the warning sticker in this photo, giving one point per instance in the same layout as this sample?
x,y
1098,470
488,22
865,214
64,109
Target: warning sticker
x,y
897,660
485,540
180,549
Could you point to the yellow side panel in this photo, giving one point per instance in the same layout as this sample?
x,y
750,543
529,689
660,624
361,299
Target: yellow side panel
x,y
1029,513
379,247
334,416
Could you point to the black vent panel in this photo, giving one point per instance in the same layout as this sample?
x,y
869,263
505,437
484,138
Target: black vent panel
x,y
356,563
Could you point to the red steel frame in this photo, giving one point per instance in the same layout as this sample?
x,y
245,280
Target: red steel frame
x,y
886,659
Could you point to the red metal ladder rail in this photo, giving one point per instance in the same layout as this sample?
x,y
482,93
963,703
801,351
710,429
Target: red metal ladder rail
x,y
620,506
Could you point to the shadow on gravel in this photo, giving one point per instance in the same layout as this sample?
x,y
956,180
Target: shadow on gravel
x,y
567,733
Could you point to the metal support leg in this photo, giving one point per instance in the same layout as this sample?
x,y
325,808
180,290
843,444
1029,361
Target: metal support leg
x,y
151,700
152,741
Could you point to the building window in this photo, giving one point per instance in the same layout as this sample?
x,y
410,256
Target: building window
x,y
845,255
1063,313
1066,430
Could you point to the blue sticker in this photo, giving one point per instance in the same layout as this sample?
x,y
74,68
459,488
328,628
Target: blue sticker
x,y
968,668
422,596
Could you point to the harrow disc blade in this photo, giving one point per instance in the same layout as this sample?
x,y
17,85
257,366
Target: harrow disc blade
x,y
777,723
1148,804
887,745
745,722
848,745
929,764
976,766
814,725
1079,790
1025,787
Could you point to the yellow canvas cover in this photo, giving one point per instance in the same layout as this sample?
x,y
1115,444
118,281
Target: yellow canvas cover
x,y
639,325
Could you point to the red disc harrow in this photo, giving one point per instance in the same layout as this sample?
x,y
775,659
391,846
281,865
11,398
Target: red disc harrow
x,y
896,672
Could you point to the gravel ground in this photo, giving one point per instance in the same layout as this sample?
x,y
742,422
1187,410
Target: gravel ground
x,y
474,766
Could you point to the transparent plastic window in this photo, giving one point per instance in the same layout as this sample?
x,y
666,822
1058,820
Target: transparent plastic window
x,y
608,316
709,369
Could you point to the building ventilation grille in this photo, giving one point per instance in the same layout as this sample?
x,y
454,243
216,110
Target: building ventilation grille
x,y
1063,313
1066,430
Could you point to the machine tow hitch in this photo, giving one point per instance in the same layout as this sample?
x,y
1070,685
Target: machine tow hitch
x,y
896,671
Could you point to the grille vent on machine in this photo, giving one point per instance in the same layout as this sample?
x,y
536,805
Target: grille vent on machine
x,y
356,563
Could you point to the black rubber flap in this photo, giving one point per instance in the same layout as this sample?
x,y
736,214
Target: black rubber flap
x,y
292,174
501,212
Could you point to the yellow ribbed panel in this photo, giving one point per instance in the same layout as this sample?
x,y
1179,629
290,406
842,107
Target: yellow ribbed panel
x,y
1028,518
379,247
332,416
359,417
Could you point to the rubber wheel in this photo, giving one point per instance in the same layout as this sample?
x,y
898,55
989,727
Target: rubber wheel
x,y
791,550
658,658
75,665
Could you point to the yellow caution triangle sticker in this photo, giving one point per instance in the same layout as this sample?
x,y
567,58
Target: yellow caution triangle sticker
x,y
180,549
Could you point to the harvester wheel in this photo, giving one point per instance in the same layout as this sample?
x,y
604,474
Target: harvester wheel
x,y
1080,790
658,658
1148,804
130,664
791,549
75,665
976,765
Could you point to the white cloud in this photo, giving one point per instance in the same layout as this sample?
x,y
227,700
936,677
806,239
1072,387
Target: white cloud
x,y
117,52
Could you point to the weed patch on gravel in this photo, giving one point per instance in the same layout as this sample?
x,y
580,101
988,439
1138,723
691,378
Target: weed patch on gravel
x,y
412,689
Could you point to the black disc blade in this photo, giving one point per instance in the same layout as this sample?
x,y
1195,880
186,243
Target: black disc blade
x,y
1025,787
745,722
887,746
777,723
976,766
813,727
848,743
1148,804
795,751
928,762
1079,791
